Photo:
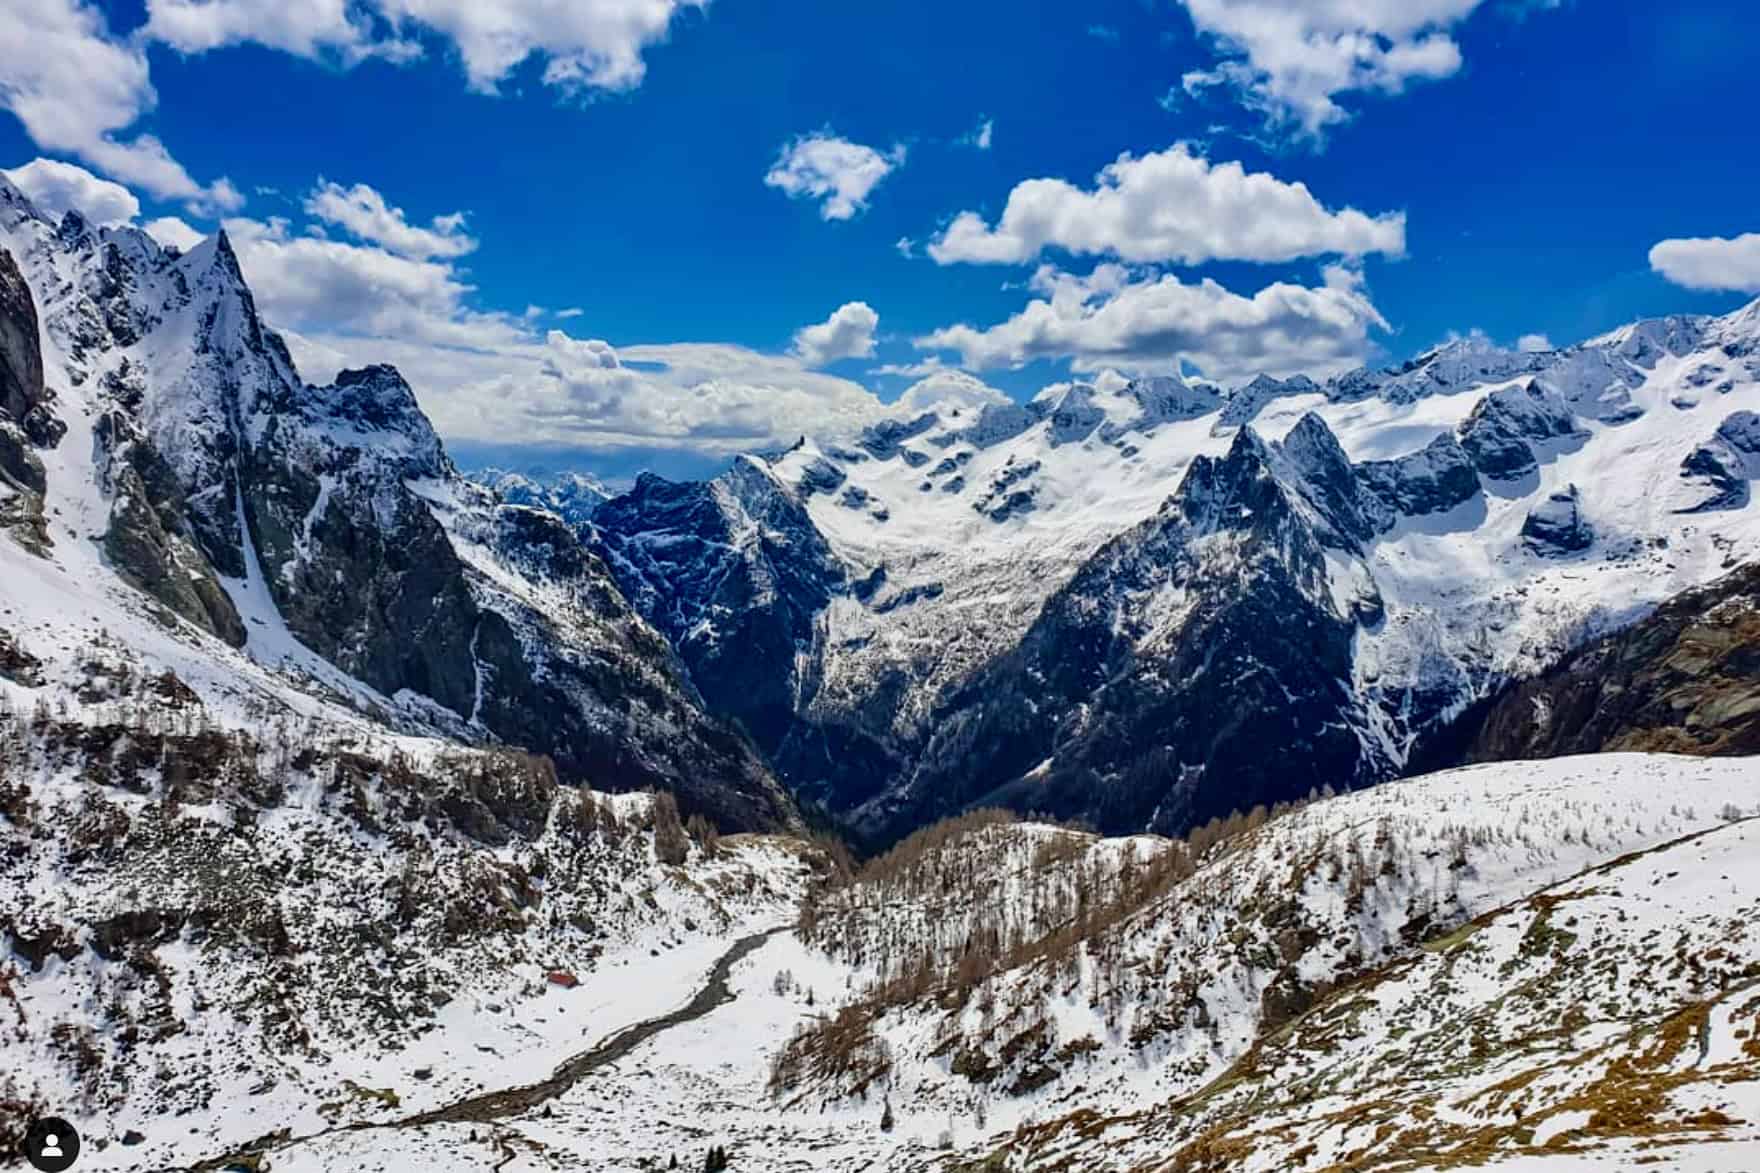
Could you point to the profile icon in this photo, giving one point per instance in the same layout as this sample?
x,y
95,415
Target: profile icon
x,y
51,1145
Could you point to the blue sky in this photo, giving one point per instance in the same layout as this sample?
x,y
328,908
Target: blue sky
x,y
626,288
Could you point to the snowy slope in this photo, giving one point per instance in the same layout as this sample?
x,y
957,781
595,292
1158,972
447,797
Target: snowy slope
x,y
250,931
1490,906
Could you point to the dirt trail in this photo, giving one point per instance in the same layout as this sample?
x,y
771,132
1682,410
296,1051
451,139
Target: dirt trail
x,y
499,1105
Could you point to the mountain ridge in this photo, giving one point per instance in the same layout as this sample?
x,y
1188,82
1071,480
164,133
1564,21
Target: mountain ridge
x,y
325,530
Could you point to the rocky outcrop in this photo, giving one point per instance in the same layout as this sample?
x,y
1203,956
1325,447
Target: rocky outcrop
x,y
1726,463
571,668
1498,436
26,422
1684,680
148,540
1435,479
1244,405
1557,526
21,356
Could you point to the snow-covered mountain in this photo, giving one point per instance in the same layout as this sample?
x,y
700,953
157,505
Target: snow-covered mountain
x,y
572,496
308,860
1148,604
155,433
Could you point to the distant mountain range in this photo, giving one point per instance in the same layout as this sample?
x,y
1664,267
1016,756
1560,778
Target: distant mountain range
x,y
1151,604
1142,604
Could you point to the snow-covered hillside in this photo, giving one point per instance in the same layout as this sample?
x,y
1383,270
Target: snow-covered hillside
x,y
1541,961
1462,521
217,934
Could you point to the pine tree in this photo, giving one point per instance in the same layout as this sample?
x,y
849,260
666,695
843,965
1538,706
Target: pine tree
x,y
886,1116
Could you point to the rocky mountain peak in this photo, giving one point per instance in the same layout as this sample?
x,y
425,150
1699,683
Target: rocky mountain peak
x,y
15,206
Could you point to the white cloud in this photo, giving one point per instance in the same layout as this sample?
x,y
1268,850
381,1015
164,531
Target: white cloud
x,y
906,247
363,212
309,28
571,312
705,397
1291,59
77,90
1169,206
981,136
943,389
834,170
847,333
1711,263
1114,318
1534,343
56,187
585,45
912,370
169,230
319,286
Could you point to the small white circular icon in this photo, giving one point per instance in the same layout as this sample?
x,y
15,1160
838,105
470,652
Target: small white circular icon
x,y
51,1145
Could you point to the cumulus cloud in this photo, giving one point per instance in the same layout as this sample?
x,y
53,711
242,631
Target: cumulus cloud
x,y
1290,60
491,378
839,173
77,89
707,397
363,212
171,231
313,284
847,333
308,29
1534,343
1116,318
1729,264
588,45
1169,206
56,188
943,389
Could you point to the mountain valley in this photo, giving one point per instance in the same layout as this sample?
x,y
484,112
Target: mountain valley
x,y
356,812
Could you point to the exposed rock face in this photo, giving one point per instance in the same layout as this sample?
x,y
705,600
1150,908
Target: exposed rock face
x,y
1557,525
25,419
735,573
1435,479
1446,369
568,665
1245,404
1684,680
21,356
1190,668
1498,436
357,564
1727,463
